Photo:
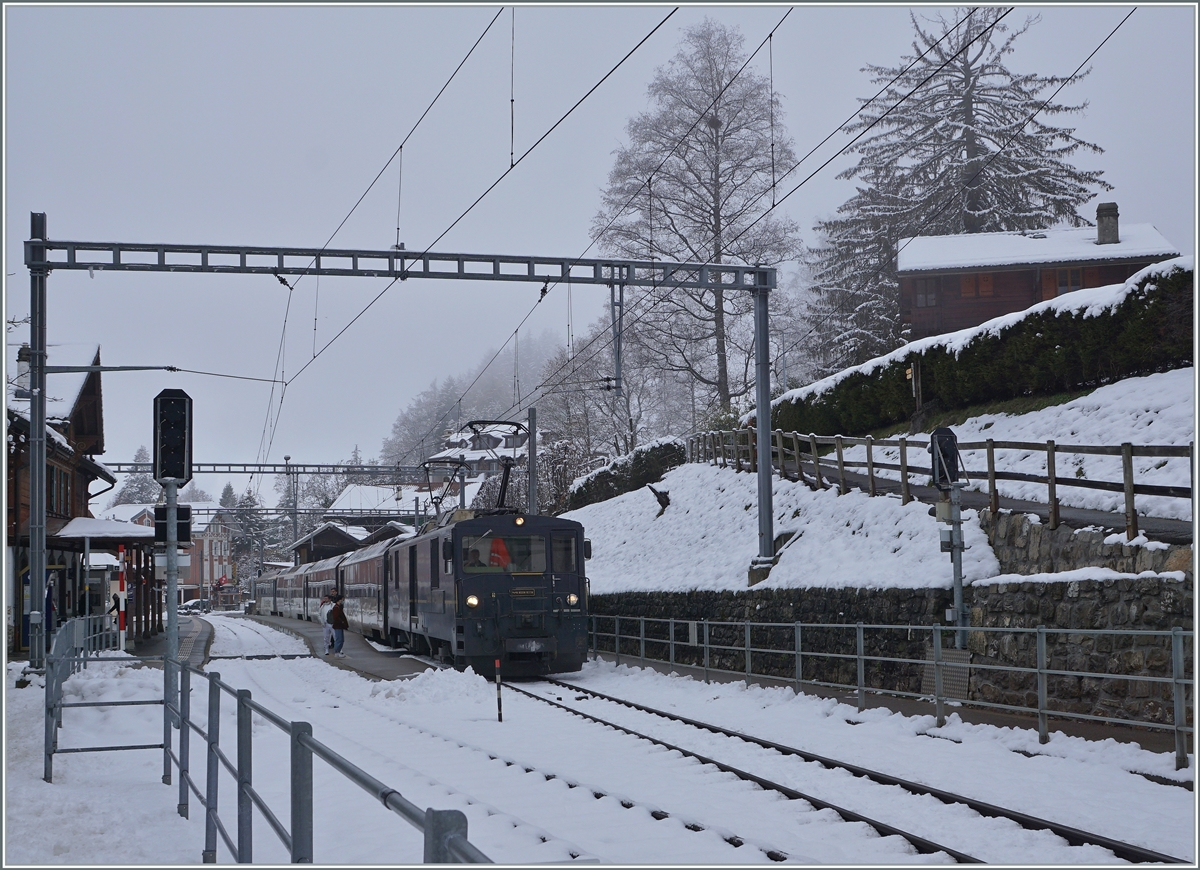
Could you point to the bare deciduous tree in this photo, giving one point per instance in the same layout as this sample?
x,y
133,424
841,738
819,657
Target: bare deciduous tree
x,y
694,184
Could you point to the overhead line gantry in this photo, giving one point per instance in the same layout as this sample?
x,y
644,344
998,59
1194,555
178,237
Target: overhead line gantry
x,y
44,255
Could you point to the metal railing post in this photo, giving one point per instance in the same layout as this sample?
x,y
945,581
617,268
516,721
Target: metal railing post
x,y
245,759
210,789
862,694
185,712
747,647
440,826
642,638
1043,732
617,639
799,660
939,697
49,700
1051,485
168,718
302,795
1178,690
671,644
905,495
706,651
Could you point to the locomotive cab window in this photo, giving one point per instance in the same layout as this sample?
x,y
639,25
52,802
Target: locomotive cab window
x,y
562,547
497,554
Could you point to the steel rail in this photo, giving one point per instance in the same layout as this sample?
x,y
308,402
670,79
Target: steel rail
x,y
922,845
1074,836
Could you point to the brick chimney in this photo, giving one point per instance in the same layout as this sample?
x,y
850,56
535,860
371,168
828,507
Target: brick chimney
x,y
1106,224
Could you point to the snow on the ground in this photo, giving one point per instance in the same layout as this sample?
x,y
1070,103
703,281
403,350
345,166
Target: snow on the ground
x,y
528,785
708,535
1157,409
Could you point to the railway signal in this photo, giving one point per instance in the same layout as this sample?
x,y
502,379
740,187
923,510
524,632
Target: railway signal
x,y
173,436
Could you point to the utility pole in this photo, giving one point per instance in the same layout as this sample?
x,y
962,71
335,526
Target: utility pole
x,y
295,504
37,447
532,453
762,564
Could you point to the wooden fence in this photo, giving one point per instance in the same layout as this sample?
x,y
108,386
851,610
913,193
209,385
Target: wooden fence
x,y
799,457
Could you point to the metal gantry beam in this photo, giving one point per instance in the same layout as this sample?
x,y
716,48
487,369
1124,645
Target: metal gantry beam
x,y
402,471
254,260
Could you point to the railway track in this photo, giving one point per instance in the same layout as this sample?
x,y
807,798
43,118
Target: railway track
x,y
1073,836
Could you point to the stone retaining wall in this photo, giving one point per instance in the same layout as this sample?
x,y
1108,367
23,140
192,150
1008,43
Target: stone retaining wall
x,y
1026,546
1152,603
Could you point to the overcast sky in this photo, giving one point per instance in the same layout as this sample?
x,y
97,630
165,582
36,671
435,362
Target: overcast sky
x,y
264,125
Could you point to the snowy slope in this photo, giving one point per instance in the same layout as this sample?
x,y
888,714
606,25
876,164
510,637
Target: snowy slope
x,y
709,534
1158,409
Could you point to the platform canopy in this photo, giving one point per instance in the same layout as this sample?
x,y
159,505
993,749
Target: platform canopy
x,y
106,531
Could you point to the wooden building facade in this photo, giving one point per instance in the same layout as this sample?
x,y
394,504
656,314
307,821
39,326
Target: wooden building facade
x,y
949,283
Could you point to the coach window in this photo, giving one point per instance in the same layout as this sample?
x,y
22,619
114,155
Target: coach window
x,y
562,546
435,580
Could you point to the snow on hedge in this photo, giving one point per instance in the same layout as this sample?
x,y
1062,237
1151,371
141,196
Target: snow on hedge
x,y
625,461
1090,303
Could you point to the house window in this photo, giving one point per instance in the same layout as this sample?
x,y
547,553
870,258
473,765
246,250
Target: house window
x,y
51,489
966,286
985,284
1069,280
926,292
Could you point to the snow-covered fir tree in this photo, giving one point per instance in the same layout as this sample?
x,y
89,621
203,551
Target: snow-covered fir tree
x,y
968,151
138,488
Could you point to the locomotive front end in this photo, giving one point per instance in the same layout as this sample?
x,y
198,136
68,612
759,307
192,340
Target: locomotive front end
x,y
522,595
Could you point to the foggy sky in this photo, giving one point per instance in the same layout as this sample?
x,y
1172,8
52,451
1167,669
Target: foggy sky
x,y
253,125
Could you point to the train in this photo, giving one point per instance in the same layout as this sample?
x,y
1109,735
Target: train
x,y
474,588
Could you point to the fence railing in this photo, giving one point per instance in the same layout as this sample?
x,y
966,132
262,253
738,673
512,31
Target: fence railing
x,y
801,456
863,659
445,831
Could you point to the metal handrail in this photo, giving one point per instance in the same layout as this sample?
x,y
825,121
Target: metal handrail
x,y
703,646
445,830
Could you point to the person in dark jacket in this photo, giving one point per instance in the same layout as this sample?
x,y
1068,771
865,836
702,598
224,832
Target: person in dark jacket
x,y
337,619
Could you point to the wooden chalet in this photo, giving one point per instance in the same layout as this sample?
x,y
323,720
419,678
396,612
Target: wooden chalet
x,y
949,283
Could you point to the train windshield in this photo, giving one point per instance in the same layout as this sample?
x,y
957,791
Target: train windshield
x,y
562,545
497,554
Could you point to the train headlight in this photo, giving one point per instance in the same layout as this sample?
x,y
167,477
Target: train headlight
x,y
572,599
472,601
520,521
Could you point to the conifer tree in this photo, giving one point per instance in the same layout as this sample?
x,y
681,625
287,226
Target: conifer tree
x,y
139,488
970,151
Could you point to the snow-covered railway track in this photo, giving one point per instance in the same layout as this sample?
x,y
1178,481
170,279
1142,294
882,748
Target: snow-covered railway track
x,y
1073,836
575,808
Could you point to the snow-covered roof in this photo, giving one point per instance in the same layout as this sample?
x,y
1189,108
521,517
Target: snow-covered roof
x,y
62,389
362,498
86,527
1063,245
358,533
203,513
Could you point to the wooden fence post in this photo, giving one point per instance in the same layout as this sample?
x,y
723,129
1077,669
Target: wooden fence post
x,y
870,467
994,497
1131,528
842,489
796,451
812,442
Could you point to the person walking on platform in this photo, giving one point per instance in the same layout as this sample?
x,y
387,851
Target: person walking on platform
x,y
337,619
326,628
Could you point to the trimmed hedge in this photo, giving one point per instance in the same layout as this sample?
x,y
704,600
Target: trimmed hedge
x,y
626,473
1042,354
